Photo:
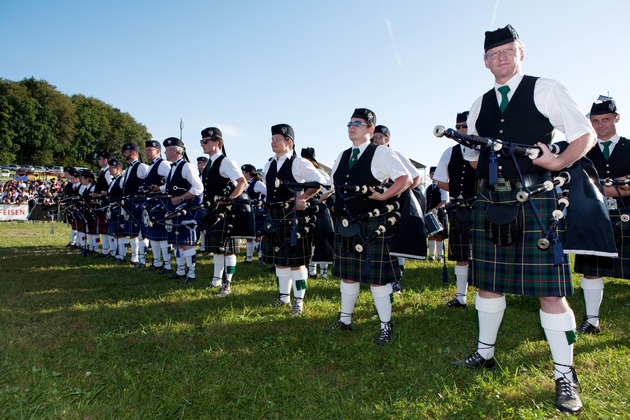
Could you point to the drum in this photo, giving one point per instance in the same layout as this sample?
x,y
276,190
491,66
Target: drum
x,y
432,224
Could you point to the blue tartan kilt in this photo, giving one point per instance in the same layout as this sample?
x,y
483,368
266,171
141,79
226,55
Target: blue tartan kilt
x,y
619,268
459,223
114,223
374,265
219,222
132,219
520,268
152,213
276,246
182,230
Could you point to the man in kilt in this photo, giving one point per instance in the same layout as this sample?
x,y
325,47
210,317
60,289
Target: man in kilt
x,y
455,173
154,210
88,216
113,213
256,190
185,188
70,191
202,161
100,194
436,200
610,158
289,253
366,164
132,209
221,177
530,109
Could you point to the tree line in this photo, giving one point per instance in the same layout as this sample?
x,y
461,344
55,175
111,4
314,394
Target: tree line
x,y
41,126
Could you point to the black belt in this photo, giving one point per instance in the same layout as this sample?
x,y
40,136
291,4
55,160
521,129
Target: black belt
x,y
530,179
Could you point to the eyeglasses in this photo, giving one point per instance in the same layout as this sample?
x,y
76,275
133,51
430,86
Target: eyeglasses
x,y
458,126
355,123
206,140
508,53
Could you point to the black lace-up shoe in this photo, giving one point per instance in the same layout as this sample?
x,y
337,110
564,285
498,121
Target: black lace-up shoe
x,y
567,397
386,335
455,303
341,326
588,328
476,361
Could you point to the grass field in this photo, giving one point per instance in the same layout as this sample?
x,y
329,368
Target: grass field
x,y
84,338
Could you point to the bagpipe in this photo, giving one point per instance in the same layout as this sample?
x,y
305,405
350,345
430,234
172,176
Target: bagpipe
x,y
588,228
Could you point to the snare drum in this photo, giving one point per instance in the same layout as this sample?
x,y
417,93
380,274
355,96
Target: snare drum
x,y
432,224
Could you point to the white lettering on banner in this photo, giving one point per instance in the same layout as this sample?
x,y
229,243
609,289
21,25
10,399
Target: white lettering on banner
x,y
13,212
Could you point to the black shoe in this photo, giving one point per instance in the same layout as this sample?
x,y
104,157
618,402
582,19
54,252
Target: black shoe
x,y
386,335
247,261
475,361
396,287
225,290
588,328
139,266
189,280
165,271
431,258
178,276
340,326
156,267
567,397
455,303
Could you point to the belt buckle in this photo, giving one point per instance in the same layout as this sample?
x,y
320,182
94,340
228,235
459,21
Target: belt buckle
x,y
612,203
502,185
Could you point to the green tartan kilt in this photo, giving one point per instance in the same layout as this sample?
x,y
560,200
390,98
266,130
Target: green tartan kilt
x,y
218,239
459,235
374,265
520,268
619,268
276,246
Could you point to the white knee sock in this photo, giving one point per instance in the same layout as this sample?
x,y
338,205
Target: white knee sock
x,y
230,267
191,261
299,282
166,254
249,250
122,248
181,262
104,244
593,294
323,268
284,283
461,276
219,264
431,247
349,295
440,248
113,245
156,249
312,269
383,301
490,313
135,247
561,334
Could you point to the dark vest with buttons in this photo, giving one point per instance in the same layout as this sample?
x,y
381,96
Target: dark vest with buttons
x,y
132,181
617,165
101,182
213,183
461,175
434,196
115,191
276,195
177,185
360,174
153,176
520,123
250,190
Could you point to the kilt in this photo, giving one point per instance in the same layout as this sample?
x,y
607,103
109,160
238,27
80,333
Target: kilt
x,y
153,212
459,234
374,265
276,247
219,223
101,222
132,219
259,218
92,222
114,222
619,268
520,268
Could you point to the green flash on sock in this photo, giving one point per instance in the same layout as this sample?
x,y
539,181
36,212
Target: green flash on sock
x,y
571,336
230,269
300,284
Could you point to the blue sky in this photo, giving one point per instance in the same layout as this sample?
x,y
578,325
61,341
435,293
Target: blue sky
x,y
243,66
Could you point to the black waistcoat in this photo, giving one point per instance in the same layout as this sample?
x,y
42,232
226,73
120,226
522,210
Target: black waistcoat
x,y
177,185
276,195
115,191
132,181
520,123
101,182
213,182
434,196
618,163
461,175
250,190
153,176
360,174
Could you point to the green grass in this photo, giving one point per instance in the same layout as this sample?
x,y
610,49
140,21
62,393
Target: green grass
x,y
83,338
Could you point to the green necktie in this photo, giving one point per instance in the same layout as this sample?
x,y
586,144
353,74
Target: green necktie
x,y
606,151
504,99
353,158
